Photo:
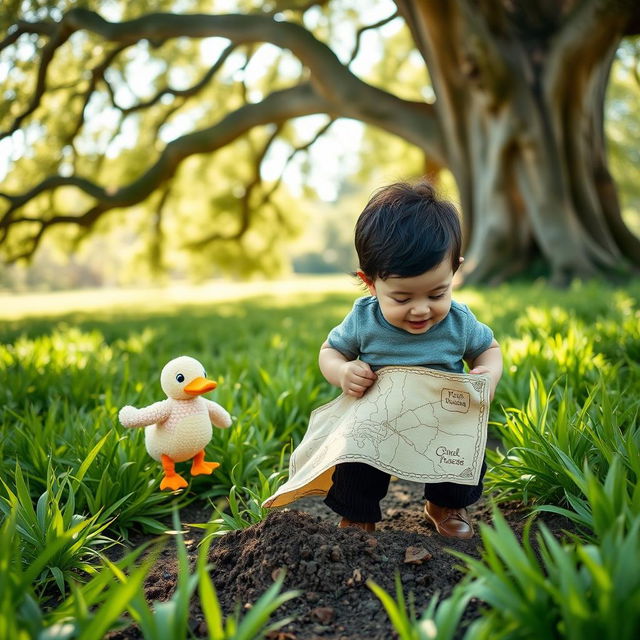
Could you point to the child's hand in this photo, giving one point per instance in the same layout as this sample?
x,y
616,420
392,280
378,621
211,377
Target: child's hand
x,y
482,370
356,377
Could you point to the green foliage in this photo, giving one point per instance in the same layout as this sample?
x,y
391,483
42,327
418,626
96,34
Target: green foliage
x,y
574,591
243,506
71,475
600,504
568,397
48,415
95,607
623,129
439,621
67,379
53,523
546,444
139,105
254,624
90,609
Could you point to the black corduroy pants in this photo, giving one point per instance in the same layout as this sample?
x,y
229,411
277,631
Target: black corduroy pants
x,y
358,488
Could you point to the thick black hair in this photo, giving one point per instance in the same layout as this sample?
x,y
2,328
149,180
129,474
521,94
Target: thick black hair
x,y
405,230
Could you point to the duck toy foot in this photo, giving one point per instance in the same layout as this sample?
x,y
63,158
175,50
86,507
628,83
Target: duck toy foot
x,y
200,467
204,468
174,482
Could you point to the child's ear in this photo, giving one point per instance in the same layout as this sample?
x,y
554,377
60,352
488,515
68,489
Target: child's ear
x,y
368,282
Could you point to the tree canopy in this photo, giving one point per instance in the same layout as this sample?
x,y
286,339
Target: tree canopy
x,y
158,117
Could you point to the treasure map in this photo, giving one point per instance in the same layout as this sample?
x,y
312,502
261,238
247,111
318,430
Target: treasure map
x,y
414,423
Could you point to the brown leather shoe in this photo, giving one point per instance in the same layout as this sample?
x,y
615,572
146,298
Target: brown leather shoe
x,y
369,527
450,523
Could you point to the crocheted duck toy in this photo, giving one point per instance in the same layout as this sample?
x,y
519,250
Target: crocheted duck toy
x,y
179,428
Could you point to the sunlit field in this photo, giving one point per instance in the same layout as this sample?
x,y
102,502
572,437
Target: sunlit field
x,y
73,480
14,306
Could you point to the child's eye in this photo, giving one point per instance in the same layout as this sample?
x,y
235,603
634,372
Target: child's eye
x,y
401,301
440,295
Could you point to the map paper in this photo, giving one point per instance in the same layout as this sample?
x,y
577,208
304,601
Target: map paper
x,y
414,423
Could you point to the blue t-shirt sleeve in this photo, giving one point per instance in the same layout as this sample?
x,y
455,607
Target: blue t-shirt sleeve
x,y
478,336
344,337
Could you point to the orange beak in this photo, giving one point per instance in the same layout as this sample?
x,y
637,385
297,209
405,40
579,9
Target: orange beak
x,y
200,385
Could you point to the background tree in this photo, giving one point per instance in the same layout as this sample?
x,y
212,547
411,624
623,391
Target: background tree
x,y
512,104
623,128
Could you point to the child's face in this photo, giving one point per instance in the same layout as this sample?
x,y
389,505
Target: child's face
x,y
418,303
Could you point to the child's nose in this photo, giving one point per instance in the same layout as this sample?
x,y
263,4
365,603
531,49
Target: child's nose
x,y
421,308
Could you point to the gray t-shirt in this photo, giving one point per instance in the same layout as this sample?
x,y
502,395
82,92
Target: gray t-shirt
x,y
365,334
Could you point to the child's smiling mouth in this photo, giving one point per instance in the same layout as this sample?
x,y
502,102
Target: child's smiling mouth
x,y
418,324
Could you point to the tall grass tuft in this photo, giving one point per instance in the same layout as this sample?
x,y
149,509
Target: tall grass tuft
x,y
574,591
91,608
547,442
439,621
53,523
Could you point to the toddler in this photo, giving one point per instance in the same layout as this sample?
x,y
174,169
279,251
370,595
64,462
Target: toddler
x,y
408,244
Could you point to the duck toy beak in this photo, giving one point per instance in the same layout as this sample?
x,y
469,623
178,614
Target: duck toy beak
x,y
199,386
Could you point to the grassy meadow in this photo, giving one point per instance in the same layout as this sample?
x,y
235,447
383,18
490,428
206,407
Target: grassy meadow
x,y
73,481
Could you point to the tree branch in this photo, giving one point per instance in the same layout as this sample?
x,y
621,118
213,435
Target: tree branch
x,y
245,201
183,93
275,108
304,147
280,7
362,30
97,74
56,41
158,235
331,79
23,26
334,90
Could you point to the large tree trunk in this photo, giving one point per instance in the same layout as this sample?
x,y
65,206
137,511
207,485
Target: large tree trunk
x,y
521,111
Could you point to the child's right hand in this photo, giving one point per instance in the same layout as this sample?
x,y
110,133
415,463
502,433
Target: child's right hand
x,y
356,377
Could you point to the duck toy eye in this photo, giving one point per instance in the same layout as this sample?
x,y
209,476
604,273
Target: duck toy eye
x,y
180,378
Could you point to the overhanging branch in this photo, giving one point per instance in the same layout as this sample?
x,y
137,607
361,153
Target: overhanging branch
x,y
56,41
362,30
245,200
333,90
275,108
416,122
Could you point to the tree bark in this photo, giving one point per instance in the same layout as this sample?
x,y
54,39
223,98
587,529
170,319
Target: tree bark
x,y
522,119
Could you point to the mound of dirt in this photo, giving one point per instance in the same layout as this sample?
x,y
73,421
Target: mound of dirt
x,y
330,566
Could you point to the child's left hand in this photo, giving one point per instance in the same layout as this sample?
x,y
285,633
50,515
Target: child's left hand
x,y
482,370
489,363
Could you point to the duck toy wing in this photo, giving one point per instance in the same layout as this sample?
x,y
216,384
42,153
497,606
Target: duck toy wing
x,y
178,428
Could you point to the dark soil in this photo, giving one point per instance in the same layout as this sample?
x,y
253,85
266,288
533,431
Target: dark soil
x,y
330,566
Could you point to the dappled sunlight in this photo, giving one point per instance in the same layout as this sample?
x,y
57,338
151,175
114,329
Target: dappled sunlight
x,y
66,347
161,299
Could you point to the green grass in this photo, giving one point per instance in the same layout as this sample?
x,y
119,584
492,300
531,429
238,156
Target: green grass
x,y
575,591
566,411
